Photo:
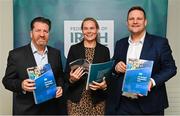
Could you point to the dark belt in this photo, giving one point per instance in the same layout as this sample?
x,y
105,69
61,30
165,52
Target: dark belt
x,y
129,98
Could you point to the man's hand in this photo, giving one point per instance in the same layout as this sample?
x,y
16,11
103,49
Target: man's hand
x,y
150,85
59,92
120,67
28,85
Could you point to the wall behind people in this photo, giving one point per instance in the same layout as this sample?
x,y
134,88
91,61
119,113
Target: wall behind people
x,y
66,31
173,34
6,44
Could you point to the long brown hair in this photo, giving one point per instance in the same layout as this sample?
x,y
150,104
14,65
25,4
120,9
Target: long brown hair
x,y
96,23
90,19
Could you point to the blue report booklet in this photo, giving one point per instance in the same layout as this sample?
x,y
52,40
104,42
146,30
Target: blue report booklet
x,y
137,76
99,71
44,82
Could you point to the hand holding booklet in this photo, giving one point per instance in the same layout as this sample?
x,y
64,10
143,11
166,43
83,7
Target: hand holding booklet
x,y
137,76
80,63
99,71
96,72
44,82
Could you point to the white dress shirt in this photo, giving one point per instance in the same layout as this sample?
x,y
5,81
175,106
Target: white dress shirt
x,y
41,59
135,48
134,52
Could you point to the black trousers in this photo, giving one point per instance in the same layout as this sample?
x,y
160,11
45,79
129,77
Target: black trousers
x,y
130,106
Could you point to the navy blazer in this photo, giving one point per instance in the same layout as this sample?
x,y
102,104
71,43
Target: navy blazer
x,y
157,49
19,60
77,51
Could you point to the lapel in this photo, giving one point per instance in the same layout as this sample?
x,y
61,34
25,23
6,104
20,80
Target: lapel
x,y
50,56
124,50
29,57
146,47
82,50
97,56
96,51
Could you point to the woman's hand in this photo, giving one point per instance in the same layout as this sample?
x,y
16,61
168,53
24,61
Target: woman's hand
x,y
59,92
95,85
76,75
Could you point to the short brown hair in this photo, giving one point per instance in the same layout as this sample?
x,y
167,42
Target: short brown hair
x,y
137,8
41,19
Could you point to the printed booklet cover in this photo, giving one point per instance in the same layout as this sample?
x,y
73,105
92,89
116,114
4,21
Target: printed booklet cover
x,y
99,71
96,72
137,76
44,82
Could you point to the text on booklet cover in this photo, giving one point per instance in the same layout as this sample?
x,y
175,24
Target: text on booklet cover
x,y
44,82
96,72
99,71
137,76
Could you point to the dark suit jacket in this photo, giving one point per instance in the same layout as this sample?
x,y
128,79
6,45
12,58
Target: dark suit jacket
x,y
157,49
18,61
77,51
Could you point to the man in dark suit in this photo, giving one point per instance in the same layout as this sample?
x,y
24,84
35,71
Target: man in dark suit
x,y
35,53
142,45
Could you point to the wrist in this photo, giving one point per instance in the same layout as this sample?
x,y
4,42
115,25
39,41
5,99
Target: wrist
x,y
71,80
153,82
105,89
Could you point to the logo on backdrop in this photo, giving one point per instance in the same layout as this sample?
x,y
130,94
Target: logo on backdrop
x,y
73,34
